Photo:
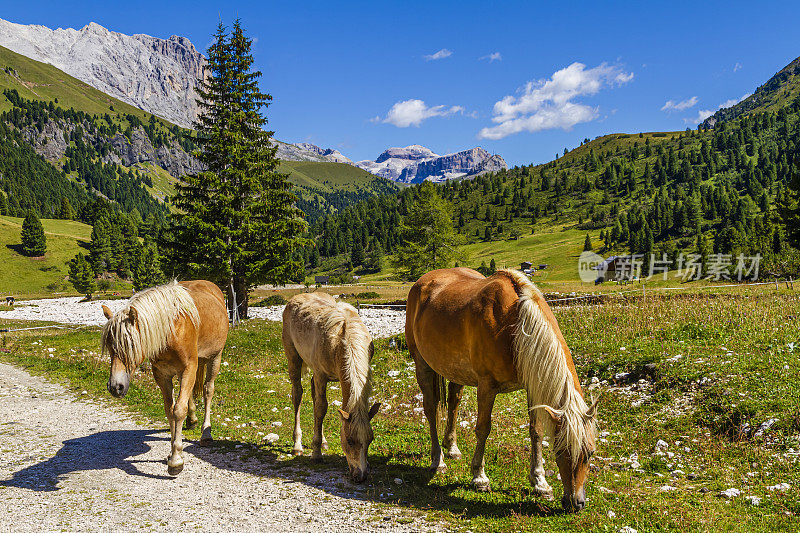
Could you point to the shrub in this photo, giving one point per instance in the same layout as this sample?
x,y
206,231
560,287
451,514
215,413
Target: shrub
x,y
369,295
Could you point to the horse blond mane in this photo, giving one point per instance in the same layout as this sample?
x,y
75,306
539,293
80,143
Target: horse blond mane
x,y
542,366
157,309
347,334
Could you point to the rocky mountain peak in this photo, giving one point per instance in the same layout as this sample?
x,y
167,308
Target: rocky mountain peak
x,y
156,75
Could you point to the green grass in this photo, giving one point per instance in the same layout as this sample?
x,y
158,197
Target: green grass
x,y
32,276
736,364
328,177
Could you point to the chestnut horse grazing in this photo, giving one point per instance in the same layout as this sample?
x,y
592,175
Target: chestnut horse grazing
x,y
331,339
182,329
498,334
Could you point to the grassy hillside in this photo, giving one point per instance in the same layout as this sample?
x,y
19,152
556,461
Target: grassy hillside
x,y
777,92
31,276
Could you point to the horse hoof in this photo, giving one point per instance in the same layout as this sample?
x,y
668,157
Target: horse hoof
x,y
453,455
481,485
174,470
206,441
190,424
324,446
296,452
316,457
439,468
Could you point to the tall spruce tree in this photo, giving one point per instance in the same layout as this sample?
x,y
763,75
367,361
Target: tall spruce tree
x,y
81,275
429,240
100,246
238,224
34,242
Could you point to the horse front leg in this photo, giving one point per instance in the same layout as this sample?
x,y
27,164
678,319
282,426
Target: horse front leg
x,y
295,376
486,395
212,371
164,382
179,412
428,381
454,393
319,386
537,477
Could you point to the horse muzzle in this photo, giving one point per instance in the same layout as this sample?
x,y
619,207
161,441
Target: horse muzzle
x,y
573,504
118,384
359,475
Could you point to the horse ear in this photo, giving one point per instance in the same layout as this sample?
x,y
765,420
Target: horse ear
x,y
374,410
107,312
554,415
592,411
133,315
344,414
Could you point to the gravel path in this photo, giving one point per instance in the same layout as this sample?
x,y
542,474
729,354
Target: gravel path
x,y
69,463
70,310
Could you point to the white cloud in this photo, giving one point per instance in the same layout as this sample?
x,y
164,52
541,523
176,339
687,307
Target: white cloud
x,y
705,113
547,104
737,66
683,105
413,112
494,56
441,54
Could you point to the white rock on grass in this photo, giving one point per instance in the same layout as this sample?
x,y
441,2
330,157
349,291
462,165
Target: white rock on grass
x,y
667,488
626,529
272,438
661,445
730,493
755,501
780,487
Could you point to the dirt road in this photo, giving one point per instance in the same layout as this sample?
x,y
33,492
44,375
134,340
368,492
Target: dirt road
x,y
68,463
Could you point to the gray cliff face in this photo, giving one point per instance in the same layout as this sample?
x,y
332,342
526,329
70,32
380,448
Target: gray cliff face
x,y
415,164
50,143
156,75
328,154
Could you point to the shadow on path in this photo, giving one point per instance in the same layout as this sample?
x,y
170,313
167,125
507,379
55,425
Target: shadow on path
x,y
99,451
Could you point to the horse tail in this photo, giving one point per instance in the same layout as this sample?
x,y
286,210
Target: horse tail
x,y
199,379
441,397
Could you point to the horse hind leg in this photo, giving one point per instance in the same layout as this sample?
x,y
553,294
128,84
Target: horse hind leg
x,y
454,393
212,371
191,416
429,382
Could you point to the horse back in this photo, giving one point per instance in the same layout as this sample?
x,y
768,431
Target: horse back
x,y
304,331
461,323
210,302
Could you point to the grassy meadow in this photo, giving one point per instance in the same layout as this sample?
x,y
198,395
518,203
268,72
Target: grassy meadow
x,y
692,371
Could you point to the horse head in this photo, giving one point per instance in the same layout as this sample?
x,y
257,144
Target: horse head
x,y
573,457
356,437
120,374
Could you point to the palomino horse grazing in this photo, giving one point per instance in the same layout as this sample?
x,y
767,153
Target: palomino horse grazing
x,y
182,329
499,335
330,338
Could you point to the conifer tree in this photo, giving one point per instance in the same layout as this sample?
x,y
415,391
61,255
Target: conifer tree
x,y
100,246
429,240
4,209
238,223
357,254
81,276
148,269
34,242
66,212
587,244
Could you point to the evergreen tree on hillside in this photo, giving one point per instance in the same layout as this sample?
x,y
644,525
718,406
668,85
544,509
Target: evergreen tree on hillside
x,y
238,224
429,240
375,263
587,244
357,254
66,212
81,276
3,204
100,246
34,242
148,270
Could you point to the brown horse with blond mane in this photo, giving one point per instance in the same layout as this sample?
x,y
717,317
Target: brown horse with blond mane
x,y
498,334
330,338
182,329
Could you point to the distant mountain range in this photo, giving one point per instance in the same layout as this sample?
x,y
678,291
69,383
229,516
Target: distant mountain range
x,y
160,76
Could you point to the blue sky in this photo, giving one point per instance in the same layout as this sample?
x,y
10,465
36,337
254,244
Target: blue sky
x,y
522,79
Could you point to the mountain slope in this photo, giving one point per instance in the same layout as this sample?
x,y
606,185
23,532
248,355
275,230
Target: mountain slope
x,y
777,92
158,75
